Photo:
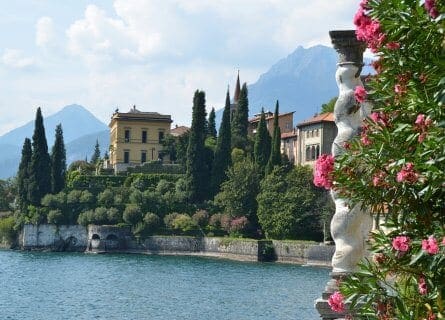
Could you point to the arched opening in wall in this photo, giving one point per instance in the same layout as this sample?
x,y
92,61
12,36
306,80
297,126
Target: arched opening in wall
x,y
317,152
313,153
111,237
95,237
308,153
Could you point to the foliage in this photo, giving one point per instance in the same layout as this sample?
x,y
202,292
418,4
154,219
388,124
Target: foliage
x,y
329,106
132,214
396,168
184,223
240,121
169,218
7,194
170,147
157,167
39,183
275,152
263,142
95,184
106,198
7,230
211,127
238,194
201,218
96,154
58,162
23,175
288,205
222,159
55,216
198,174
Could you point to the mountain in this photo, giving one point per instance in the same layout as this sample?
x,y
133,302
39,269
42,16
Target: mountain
x,y
80,131
76,122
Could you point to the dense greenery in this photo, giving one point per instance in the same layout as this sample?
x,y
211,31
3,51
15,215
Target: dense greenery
x,y
262,143
96,154
23,176
211,125
396,167
329,106
58,162
222,158
240,121
275,152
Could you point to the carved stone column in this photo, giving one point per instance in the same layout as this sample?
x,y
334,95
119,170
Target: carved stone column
x,y
350,225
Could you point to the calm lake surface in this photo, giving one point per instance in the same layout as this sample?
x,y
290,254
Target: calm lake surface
x,y
80,286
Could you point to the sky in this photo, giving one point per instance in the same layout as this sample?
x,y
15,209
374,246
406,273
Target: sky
x,y
150,53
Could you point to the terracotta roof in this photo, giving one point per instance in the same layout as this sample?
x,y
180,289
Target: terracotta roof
x,y
179,131
324,117
288,135
257,118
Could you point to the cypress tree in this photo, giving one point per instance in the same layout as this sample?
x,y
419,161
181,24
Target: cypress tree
x,y
58,162
212,124
40,173
96,154
275,153
197,171
240,121
222,158
262,143
23,175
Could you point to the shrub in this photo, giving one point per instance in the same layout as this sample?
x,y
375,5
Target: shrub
x,y
152,222
7,230
106,198
114,216
201,218
165,186
169,218
55,216
184,223
215,221
100,216
238,225
132,214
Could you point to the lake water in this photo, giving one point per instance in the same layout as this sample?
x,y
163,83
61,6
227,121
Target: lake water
x,y
80,286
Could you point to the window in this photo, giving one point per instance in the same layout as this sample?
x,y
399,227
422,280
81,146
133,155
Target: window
x,y
144,136
127,135
316,133
161,136
308,153
143,156
307,134
126,156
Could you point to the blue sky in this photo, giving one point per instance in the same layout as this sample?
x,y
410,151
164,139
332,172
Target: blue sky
x,y
152,53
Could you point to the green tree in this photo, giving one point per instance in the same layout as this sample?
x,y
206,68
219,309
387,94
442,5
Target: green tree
x,y
211,128
40,168
23,176
289,206
329,106
58,162
132,214
275,153
240,121
7,194
262,143
222,158
238,194
170,148
197,171
96,154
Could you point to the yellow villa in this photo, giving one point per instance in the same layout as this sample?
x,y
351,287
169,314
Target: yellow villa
x,y
136,137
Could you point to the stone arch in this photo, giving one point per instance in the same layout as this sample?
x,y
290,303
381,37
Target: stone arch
x,y
95,237
112,237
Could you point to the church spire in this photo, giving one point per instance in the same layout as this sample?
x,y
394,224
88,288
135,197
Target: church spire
x,y
237,90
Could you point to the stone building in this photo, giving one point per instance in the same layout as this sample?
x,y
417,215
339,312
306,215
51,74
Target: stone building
x,y
285,122
289,145
136,137
315,137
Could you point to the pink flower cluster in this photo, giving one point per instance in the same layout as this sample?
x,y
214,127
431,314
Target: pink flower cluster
x,y
238,224
379,118
393,45
379,179
423,290
407,174
336,302
430,7
324,166
368,30
401,243
421,124
430,245
360,94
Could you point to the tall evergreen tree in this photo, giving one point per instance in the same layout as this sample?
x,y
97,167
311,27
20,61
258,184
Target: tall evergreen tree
x,y
40,169
23,175
275,153
262,143
96,154
212,124
240,121
222,158
197,174
58,162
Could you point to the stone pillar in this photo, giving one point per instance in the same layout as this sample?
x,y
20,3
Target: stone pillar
x,y
350,225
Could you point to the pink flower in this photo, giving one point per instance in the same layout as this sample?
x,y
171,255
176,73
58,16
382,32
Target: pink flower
x,y
401,243
393,45
421,124
430,245
360,94
399,89
324,166
430,7
379,118
423,290
365,139
379,179
368,30
407,174
336,302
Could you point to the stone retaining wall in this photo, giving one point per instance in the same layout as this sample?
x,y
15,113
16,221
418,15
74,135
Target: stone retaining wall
x,y
52,237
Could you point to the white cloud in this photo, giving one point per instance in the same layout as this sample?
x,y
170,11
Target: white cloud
x,y
44,31
16,59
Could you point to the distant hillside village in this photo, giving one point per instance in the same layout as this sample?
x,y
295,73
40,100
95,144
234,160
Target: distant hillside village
x,y
138,137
